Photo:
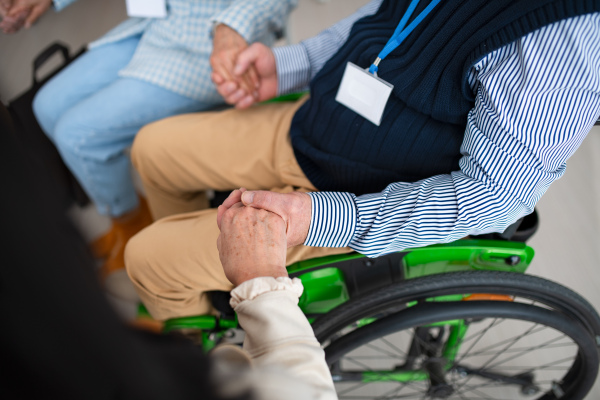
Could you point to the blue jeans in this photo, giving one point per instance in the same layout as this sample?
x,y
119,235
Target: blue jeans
x,y
92,116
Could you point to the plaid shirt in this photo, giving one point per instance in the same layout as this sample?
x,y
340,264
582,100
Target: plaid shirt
x,y
173,52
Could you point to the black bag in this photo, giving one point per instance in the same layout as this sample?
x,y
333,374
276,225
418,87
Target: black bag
x,y
37,145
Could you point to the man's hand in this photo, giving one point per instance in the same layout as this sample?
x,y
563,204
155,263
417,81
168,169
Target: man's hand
x,y
261,58
22,13
227,45
251,244
294,208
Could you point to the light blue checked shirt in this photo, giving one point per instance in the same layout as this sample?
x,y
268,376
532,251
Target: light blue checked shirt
x,y
535,101
173,52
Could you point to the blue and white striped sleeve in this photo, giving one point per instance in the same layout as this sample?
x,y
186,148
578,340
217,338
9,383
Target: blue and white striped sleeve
x,y
536,100
60,4
298,64
254,19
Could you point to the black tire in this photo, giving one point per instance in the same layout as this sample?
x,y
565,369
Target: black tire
x,y
546,303
526,287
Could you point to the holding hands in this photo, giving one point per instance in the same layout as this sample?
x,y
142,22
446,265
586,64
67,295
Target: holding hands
x,y
252,244
243,75
293,208
16,14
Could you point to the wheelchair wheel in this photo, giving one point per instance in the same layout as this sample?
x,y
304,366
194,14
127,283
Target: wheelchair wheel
x,y
536,340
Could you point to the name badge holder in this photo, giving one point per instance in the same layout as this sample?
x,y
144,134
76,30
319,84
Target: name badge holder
x,y
361,90
147,8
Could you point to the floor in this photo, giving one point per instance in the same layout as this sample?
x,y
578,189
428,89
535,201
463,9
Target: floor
x,y
567,245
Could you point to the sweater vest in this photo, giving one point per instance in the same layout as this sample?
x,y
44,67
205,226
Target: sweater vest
x,y
424,120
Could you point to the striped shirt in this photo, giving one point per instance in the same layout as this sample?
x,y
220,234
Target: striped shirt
x,y
535,101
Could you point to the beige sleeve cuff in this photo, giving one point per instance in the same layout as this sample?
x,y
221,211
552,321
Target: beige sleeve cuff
x,y
253,288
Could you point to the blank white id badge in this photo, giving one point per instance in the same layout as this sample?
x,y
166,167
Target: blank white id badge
x,y
147,8
363,93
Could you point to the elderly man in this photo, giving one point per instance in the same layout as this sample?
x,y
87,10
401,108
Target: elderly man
x,y
427,122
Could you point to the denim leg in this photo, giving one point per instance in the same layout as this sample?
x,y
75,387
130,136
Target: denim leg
x,y
93,137
91,72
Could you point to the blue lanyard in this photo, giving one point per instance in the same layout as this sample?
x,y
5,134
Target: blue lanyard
x,y
400,33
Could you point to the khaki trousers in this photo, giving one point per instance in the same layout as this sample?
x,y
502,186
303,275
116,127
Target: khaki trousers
x,y
174,262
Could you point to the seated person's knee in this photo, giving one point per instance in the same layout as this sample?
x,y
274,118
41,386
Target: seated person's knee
x,y
146,148
136,252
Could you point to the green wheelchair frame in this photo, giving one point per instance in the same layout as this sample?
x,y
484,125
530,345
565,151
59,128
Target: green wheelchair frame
x,y
325,287
337,294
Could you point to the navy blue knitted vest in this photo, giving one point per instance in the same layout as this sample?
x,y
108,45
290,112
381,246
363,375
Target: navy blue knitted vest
x,y
424,121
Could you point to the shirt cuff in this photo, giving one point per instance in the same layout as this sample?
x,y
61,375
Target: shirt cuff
x,y
245,19
333,219
293,68
243,30
253,288
60,4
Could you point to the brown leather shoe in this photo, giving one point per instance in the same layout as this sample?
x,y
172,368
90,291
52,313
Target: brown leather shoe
x,y
102,246
147,324
116,257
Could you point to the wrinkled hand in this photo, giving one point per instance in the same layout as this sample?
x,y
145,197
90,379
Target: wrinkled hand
x,y
251,244
259,57
22,13
294,208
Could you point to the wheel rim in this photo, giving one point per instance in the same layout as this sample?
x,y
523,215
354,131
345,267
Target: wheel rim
x,y
522,288
488,365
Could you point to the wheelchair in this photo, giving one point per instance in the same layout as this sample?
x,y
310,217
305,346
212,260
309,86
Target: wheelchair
x,y
449,321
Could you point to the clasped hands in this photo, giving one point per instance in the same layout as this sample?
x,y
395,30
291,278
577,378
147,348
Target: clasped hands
x,y
243,75
257,227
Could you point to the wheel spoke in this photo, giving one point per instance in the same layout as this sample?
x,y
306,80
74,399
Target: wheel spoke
x,y
500,352
551,366
488,385
359,385
482,395
501,343
523,353
495,322
520,349
460,395
382,351
409,396
392,394
402,353
375,357
474,389
485,398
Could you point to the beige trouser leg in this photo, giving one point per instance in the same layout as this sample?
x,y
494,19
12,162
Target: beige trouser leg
x,y
178,158
175,261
